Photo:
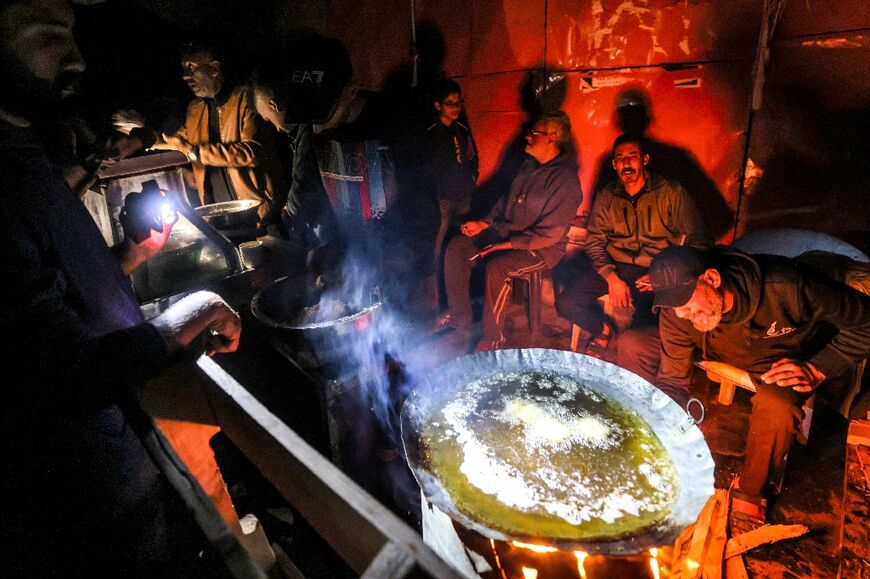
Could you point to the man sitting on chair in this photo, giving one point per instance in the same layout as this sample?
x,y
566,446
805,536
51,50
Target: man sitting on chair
x,y
632,219
790,327
527,229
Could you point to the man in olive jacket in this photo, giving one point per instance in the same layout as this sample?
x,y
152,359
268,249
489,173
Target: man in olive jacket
x,y
632,219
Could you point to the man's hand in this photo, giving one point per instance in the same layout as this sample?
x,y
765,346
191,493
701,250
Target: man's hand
x,y
797,374
125,120
135,254
204,318
500,246
642,283
618,292
178,143
472,228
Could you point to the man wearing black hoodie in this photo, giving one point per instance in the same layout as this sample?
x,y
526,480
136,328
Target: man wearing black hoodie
x,y
790,327
525,230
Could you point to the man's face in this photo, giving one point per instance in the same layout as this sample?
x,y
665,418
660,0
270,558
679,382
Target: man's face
x,y
704,308
450,108
267,108
629,161
202,73
39,60
538,141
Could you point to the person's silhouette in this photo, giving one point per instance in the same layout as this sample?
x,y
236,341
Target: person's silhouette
x,y
634,116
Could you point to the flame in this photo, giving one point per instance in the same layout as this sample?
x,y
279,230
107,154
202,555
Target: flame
x,y
535,548
581,556
654,563
497,560
692,565
529,573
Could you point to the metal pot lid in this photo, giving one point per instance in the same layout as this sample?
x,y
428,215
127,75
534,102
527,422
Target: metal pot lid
x,y
456,383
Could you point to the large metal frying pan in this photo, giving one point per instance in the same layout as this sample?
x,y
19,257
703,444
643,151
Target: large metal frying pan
x,y
673,427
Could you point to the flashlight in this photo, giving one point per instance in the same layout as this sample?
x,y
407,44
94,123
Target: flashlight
x,y
146,210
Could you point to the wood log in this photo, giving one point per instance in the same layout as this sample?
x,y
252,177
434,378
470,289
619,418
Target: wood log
x,y
699,536
762,536
717,537
735,568
859,432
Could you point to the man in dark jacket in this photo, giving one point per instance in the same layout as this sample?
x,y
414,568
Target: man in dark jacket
x,y
791,328
448,162
80,493
525,230
632,219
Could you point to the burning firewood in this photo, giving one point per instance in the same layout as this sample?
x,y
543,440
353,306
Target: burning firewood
x,y
762,536
704,550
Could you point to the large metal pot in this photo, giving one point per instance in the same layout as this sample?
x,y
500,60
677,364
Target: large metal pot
x,y
286,304
682,440
236,215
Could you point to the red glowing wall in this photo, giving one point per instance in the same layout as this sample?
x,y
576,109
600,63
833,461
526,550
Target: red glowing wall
x,y
690,59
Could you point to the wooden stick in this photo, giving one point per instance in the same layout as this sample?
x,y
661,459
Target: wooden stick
x,y
699,537
761,536
735,568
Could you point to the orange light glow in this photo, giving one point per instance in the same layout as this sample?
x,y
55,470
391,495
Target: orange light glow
x,y
692,565
654,563
533,547
497,560
529,573
581,557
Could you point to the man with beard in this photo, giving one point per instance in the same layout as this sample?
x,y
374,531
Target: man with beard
x,y
790,327
80,493
632,219
525,231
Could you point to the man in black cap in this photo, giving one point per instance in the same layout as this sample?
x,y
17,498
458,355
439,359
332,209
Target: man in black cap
x,y
791,328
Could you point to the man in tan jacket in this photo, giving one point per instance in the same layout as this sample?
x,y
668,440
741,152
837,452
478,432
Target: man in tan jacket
x,y
231,151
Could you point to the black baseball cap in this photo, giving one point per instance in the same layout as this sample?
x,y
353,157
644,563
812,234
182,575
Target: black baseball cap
x,y
673,275
308,75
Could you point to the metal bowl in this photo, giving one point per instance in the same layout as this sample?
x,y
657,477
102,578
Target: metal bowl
x,y
282,305
240,214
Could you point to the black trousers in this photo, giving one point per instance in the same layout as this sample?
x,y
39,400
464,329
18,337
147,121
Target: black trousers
x,y
579,286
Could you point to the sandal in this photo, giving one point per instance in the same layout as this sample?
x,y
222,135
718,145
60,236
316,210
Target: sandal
x,y
747,513
597,345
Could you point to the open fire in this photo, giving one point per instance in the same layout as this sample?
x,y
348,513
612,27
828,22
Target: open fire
x,y
519,560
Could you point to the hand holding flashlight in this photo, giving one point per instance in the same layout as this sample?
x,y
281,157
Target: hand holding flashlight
x,y
147,219
146,211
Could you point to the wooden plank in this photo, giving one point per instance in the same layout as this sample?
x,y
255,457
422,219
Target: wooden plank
x,y
735,568
717,537
681,540
699,538
391,561
762,536
353,523
859,433
726,372
854,533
